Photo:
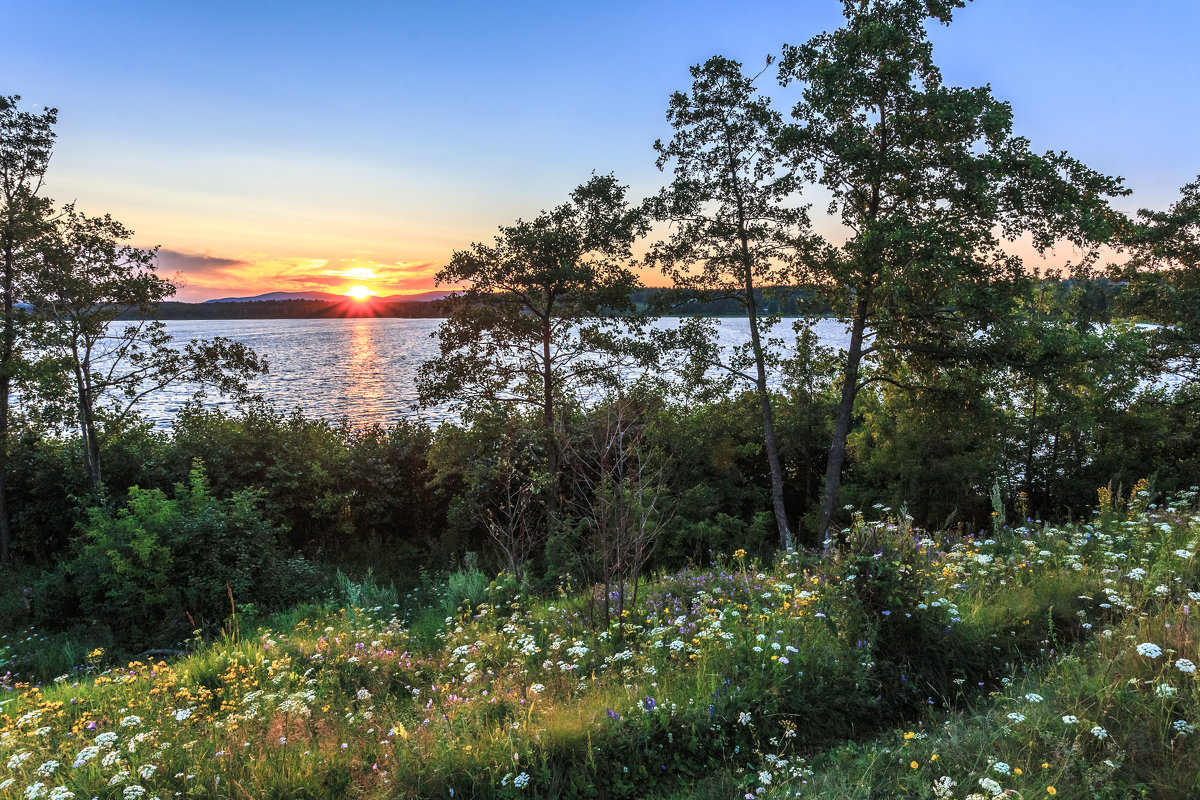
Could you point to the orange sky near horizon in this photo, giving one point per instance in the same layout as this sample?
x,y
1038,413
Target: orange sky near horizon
x,y
202,277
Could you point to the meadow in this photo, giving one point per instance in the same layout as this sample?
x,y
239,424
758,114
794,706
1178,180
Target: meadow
x,y
1029,661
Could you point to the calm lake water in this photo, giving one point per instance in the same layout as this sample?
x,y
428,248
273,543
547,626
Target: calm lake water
x,y
360,369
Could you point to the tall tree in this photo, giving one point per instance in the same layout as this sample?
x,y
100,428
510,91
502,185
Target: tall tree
x,y
84,277
930,183
736,228
537,317
26,140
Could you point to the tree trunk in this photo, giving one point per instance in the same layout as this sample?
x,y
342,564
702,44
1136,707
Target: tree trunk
x,y
548,422
764,396
7,351
841,427
87,427
1029,449
769,439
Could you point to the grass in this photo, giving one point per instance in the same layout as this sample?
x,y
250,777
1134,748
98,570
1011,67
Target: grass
x,y
907,666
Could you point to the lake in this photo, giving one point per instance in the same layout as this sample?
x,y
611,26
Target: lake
x,y
361,369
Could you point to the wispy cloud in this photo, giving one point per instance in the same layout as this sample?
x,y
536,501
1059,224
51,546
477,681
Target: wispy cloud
x,y
203,276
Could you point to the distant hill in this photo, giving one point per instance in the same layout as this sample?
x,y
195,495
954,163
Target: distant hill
x,y
339,307
420,297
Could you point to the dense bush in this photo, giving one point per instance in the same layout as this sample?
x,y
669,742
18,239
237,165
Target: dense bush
x,y
158,567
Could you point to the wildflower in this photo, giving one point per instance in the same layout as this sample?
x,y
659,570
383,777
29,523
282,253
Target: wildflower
x,y
106,739
521,781
131,721
1034,698
744,718
20,758
1185,665
764,778
133,792
914,764
1051,790
990,786
537,688
1183,727
1002,768
35,790
363,694
1015,717
1099,732
943,787
1149,650
1070,719
61,793
1165,690
182,713
47,769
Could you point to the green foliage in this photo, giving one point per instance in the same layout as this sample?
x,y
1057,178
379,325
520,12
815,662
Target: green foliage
x,y
365,594
158,567
363,495
466,589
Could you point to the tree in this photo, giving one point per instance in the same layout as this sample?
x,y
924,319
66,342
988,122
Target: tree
x,y
930,183
537,319
736,232
84,277
26,140
1163,280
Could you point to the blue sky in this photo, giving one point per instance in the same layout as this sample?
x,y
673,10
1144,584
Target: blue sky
x,y
277,146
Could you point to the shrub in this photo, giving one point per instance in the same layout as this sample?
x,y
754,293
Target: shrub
x,y
159,567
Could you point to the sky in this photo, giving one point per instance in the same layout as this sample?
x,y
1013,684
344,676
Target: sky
x,y
304,146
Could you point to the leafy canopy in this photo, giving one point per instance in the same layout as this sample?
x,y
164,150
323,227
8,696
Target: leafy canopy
x,y
535,318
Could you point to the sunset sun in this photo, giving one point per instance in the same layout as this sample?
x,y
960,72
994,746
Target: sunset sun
x,y
359,292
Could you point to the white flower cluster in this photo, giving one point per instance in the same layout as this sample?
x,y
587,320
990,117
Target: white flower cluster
x,y
1149,650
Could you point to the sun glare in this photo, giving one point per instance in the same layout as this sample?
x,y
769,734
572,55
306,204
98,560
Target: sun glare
x,y
359,292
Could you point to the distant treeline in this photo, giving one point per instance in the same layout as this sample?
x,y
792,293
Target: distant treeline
x,y
668,302
788,301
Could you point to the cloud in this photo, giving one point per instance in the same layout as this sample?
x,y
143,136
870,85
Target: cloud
x,y
339,274
199,276
203,276
172,261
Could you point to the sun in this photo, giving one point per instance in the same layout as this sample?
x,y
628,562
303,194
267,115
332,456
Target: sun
x,y
359,292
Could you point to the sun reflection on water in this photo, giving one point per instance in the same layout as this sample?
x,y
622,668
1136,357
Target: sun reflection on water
x,y
364,385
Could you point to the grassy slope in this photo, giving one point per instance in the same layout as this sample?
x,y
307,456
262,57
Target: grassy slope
x,y
729,681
